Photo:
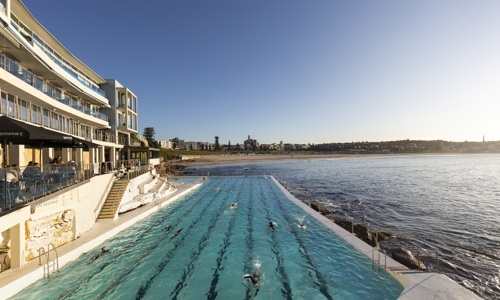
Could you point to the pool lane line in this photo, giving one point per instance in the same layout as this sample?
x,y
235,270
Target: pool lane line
x,y
249,240
76,287
180,285
204,242
322,284
112,284
168,256
276,249
212,292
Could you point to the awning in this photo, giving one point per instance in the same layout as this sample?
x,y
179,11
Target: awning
x,y
86,144
20,133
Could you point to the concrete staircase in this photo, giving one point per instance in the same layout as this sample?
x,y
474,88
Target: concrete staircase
x,y
108,210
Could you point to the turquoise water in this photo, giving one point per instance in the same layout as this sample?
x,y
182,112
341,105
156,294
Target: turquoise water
x,y
216,247
183,179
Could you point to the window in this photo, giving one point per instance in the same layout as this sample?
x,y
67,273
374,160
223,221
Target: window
x,y
57,94
38,83
85,132
46,118
4,104
55,121
48,90
11,105
36,116
75,128
24,112
3,6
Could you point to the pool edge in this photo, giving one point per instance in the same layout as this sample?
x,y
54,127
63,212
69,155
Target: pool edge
x,y
417,285
20,278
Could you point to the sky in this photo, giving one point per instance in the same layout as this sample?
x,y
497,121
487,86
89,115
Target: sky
x,y
297,71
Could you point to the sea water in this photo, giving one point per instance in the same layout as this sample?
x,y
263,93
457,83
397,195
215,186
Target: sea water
x,y
445,204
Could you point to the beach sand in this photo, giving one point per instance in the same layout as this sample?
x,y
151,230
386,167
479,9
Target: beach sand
x,y
228,159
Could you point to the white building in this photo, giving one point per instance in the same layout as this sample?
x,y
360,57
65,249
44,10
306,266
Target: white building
x,y
44,85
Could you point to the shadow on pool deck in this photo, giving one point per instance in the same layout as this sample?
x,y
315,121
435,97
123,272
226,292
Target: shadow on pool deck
x,y
12,281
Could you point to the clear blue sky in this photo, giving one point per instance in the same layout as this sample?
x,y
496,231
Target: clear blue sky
x,y
296,71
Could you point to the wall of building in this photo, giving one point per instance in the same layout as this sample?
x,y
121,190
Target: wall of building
x,y
56,219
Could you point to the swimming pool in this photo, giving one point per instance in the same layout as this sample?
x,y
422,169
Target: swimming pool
x,y
216,247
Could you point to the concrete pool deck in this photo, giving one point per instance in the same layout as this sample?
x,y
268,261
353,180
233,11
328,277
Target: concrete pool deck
x,y
417,285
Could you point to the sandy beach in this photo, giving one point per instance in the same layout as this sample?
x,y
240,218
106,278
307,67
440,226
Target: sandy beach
x,y
227,159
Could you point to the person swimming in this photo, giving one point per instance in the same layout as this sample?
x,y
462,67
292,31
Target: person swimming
x,y
302,225
234,205
254,278
167,229
272,226
176,233
103,251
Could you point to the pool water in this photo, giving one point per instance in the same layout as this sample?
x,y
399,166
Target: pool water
x,y
217,245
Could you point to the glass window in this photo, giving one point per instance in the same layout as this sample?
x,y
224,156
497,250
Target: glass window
x,y
75,128
57,94
55,121
10,65
11,105
38,83
38,40
48,90
24,112
36,115
46,118
4,104
3,6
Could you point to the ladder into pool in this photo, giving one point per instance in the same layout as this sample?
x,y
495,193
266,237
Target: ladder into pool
x,y
54,264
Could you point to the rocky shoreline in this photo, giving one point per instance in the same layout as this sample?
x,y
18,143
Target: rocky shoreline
x,y
373,238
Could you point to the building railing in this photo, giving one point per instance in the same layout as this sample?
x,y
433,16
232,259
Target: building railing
x,y
17,111
28,77
35,182
56,59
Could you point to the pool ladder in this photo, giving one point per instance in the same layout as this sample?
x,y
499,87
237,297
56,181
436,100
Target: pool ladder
x,y
48,265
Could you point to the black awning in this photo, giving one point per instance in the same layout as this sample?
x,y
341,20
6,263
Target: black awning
x,y
86,144
20,133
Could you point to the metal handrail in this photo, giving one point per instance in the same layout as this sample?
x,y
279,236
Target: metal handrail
x,y
40,255
48,257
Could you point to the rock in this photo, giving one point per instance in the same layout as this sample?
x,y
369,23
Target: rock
x,y
319,208
361,231
407,258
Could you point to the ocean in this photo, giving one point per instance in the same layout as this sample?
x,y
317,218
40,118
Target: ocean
x,y
435,204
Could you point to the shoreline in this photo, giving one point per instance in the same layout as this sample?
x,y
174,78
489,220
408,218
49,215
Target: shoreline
x,y
206,160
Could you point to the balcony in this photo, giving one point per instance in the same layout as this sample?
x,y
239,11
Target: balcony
x,y
29,78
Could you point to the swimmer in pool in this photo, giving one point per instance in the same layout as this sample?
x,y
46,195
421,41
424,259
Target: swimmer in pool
x,y
167,229
234,205
176,233
302,225
272,226
103,251
254,278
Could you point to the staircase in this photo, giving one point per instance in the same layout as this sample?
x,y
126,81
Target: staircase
x,y
108,210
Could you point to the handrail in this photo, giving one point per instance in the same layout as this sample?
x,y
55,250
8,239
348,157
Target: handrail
x,y
48,256
46,266
40,255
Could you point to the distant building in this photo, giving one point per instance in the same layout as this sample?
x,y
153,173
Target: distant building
x,y
176,143
251,144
